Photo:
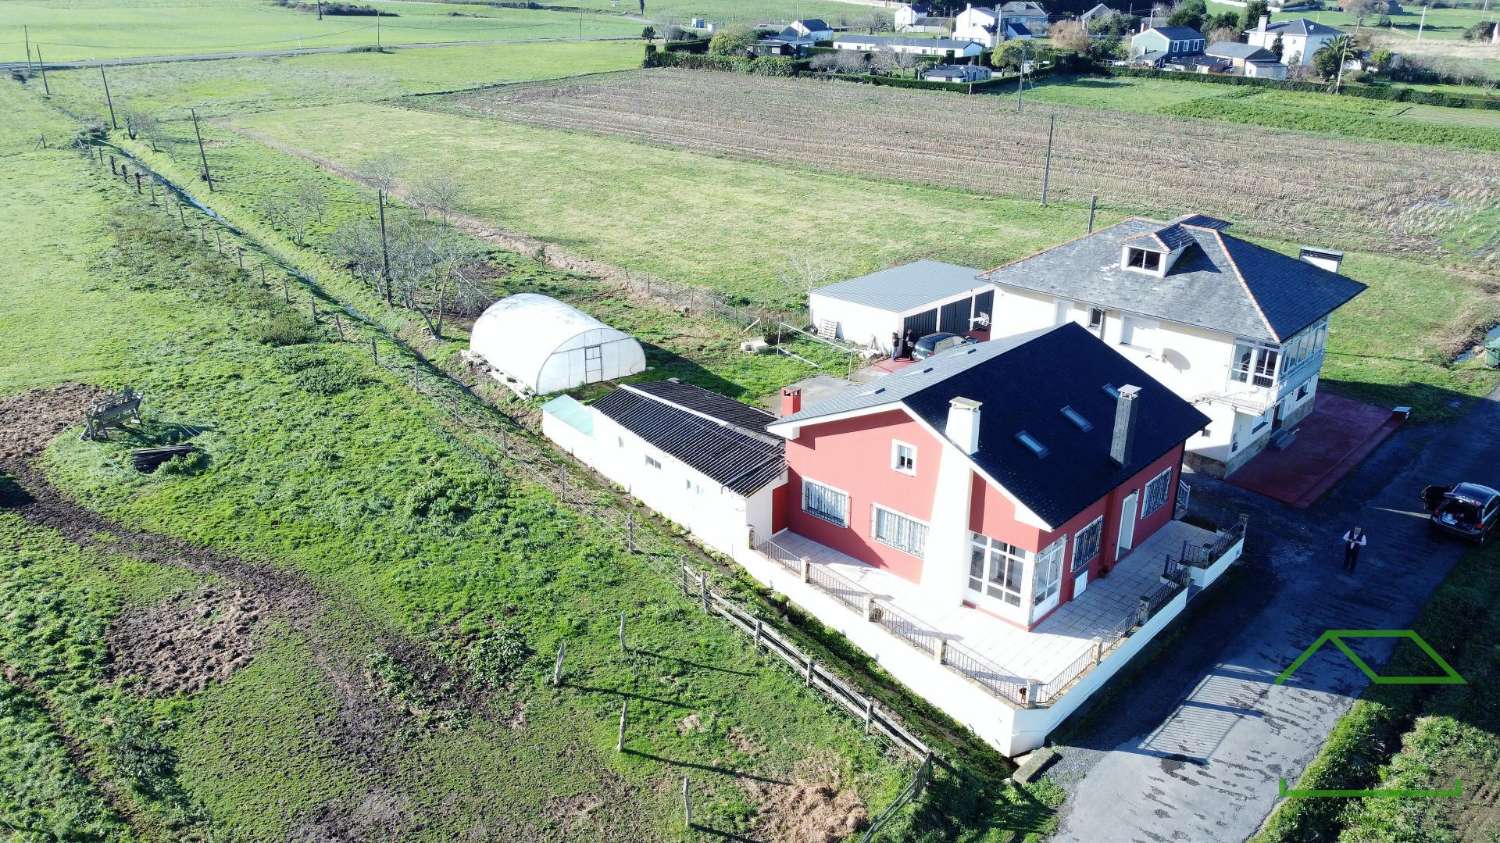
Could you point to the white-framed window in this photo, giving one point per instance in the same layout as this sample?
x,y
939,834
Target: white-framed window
x,y
1049,564
996,569
1156,492
825,502
653,462
903,457
1143,259
902,532
1254,364
1086,544
1096,319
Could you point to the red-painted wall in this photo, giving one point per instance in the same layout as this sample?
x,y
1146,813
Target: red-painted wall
x,y
854,456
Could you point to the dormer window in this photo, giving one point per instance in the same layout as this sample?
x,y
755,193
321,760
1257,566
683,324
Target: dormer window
x,y
1143,259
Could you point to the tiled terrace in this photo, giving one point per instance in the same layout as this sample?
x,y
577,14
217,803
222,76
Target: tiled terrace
x,y
1105,611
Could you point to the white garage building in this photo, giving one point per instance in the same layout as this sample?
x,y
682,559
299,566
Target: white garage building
x,y
922,297
539,345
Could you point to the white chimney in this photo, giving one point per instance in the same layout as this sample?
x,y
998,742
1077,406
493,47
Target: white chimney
x,y
963,424
1265,20
1329,259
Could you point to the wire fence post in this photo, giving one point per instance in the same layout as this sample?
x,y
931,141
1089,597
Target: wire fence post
x,y
374,351
869,714
703,590
687,804
1093,208
809,670
623,648
338,325
1047,168
557,668
624,713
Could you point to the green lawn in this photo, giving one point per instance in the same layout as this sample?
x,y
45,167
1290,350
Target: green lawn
x,y
729,225
1441,23
98,29
323,463
233,87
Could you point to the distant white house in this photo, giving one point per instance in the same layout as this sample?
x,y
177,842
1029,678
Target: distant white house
x,y
958,73
814,28
948,48
1301,39
1026,13
1247,59
918,17
1160,45
980,24
1099,11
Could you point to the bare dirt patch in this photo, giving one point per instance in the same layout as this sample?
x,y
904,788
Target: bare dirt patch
x,y
743,741
690,725
813,808
29,420
182,646
379,815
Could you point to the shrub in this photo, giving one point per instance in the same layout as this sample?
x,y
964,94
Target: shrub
x,y
284,329
733,40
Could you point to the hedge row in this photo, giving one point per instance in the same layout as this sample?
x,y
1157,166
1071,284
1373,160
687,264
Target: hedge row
x,y
992,85
761,66
1374,92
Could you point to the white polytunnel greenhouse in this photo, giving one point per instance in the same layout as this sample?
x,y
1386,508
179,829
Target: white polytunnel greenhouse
x,y
542,345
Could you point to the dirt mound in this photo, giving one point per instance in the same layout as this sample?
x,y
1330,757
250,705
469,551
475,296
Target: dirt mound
x,y
29,420
379,815
815,808
181,646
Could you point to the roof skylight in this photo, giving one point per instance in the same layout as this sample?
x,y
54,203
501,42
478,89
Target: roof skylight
x,y
1077,419
1032,444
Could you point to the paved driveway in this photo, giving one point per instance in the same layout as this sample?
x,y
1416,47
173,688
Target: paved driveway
x,y
1195,750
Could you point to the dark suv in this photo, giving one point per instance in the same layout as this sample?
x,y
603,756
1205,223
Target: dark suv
x,y
935,343
1466,510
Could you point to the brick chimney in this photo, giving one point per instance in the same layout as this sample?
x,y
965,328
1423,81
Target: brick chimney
x,y
791,400
963,424
1123,441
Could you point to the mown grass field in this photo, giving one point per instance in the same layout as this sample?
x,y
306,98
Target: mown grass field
x,y
100,29
1345,116
1391,345
219,88
353,481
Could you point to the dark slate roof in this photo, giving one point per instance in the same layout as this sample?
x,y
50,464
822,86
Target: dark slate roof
x,y
814,24
895,41
1016,29
1023,7
1219,282
672,417
905,287
1178,33
1170,238
1236,50
1022,384
1302,26
707,402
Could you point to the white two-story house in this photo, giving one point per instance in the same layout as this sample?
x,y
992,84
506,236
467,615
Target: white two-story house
x,y
1301,39
1235,328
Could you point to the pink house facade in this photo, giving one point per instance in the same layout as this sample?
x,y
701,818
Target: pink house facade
x,y
988,491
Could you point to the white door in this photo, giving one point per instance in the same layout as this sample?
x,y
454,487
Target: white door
x,y
1080,583
593,364
1127,526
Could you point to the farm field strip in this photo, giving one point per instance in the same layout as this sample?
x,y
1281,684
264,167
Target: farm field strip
x,y
102,29
1382,197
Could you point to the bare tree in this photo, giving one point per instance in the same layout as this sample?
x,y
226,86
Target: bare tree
x,y
441,193
382,172
906,62
850,61
313,200
883,60
803,273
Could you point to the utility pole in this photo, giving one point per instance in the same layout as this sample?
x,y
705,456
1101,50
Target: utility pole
x,y
108,99
377,29
27,31
1047,169
1093,206
1423,25
320,9
1338,80
42,66
202,156
385,255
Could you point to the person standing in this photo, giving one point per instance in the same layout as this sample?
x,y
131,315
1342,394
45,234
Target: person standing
x,y
1354,540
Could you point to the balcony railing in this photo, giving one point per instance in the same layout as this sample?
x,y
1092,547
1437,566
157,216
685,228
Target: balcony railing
x,y
995,680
